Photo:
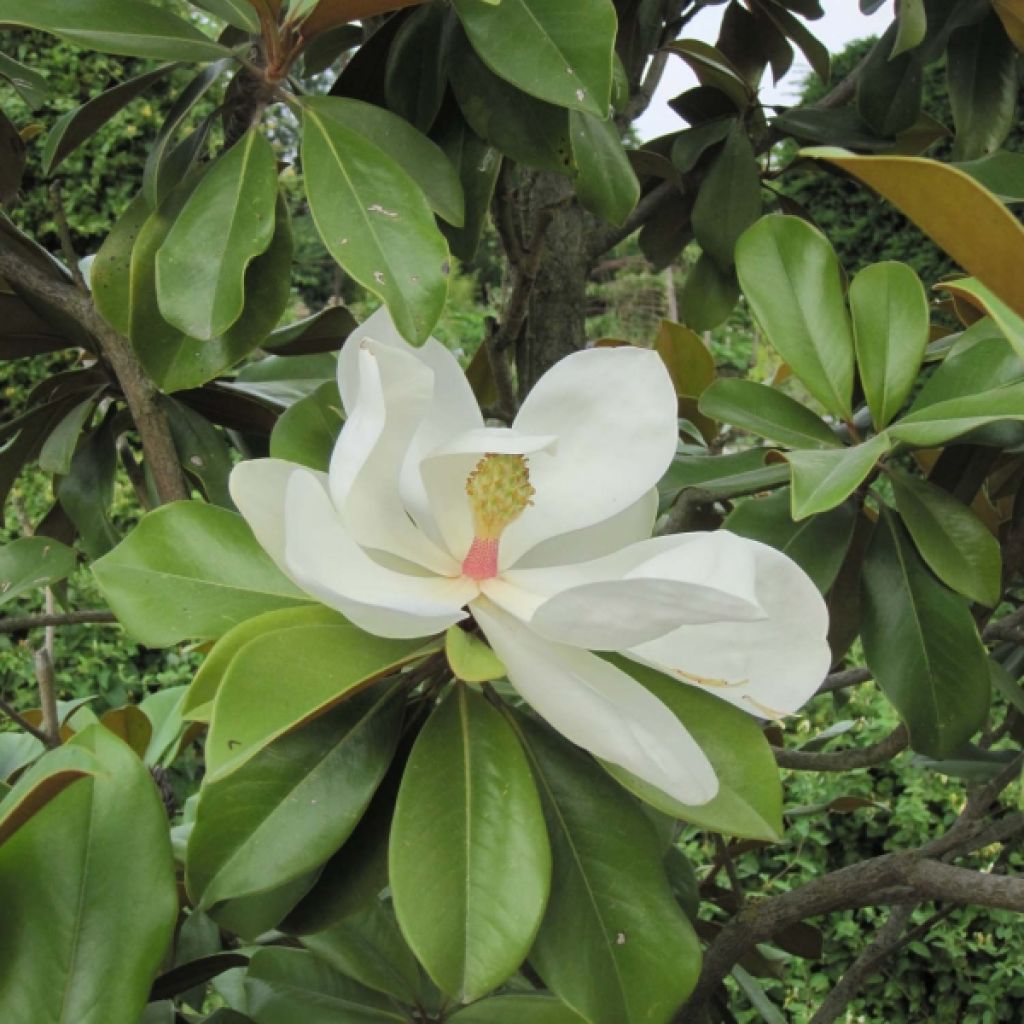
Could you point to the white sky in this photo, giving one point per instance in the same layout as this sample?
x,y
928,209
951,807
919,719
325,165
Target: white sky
x,y
842,22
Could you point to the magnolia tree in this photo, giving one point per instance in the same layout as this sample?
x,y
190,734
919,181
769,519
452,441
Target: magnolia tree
x,y
483,646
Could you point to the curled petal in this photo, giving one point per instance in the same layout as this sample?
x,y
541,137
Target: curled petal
x,y
600,708
769,667
258,487
614,414
324,560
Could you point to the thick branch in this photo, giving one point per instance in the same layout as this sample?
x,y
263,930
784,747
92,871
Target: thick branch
x,y
139,391
644,211
20,623
844,760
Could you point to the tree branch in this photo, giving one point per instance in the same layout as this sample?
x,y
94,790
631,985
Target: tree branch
x,y
844,760
644,211
23,723
21,623
139,391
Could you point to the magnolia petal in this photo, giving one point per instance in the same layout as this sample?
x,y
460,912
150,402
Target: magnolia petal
x,y
325,561
614,413
600,708
769,667
629,526
446,471
258,488
452,408
395,391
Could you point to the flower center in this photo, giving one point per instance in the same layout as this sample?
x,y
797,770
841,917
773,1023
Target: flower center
x,y
499,492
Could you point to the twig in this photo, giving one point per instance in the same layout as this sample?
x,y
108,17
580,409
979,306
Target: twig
x,y
1010,628
845,677
844,760
20,623
47,696
23,723
139,391
644,210
64,234
725,858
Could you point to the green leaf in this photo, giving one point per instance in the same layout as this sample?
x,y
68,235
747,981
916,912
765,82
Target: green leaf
x,y
30,85
913,24
417,66
239,13
337,660
469,861
1002,173
714,70
291,986
32,562
224,225
126,27
767,412
537,45
981,71
1009,322
708,295
890,329
606,184
287,809
423,160
822,480
87,492
729,200
368,947
470,659
202,451
614,945
59,448
198,703
521,1009
307,431
943,421
749,800
254,915
953,541
528,130
189,571
790,275
922,645
325,331
889,90
375,222
818,544
89,897
70,130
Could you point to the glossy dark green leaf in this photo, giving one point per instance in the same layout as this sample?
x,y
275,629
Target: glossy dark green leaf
x,y
73,128
338,660
954,542
291,986
817,544
307,431
889,89
87,492
790,275
23,332
188,571
325,331
203,452
89,897
286,810
369,947
30,85
528,130
417,68
521,1009
227,222
254,915
767,412
981,71
943,421
809,45
606,183
30,563
59,448
128,27
913,24
375,222
729,200
922,645
614,945
469,861
708,295
12,160
749,800
824,479
537,45
240,13
890,329
1001,173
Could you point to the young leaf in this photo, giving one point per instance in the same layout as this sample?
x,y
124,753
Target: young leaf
x,y
224,225
469,859
824,479
285,811
190,570
953,541
941,422
890,329
922,645
537,45
375,222
790,275
633,955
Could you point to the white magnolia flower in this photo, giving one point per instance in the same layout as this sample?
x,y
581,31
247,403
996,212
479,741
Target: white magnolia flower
x,y
541,532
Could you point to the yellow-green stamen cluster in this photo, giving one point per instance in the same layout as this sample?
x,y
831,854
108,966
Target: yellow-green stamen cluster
x,y
499,491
